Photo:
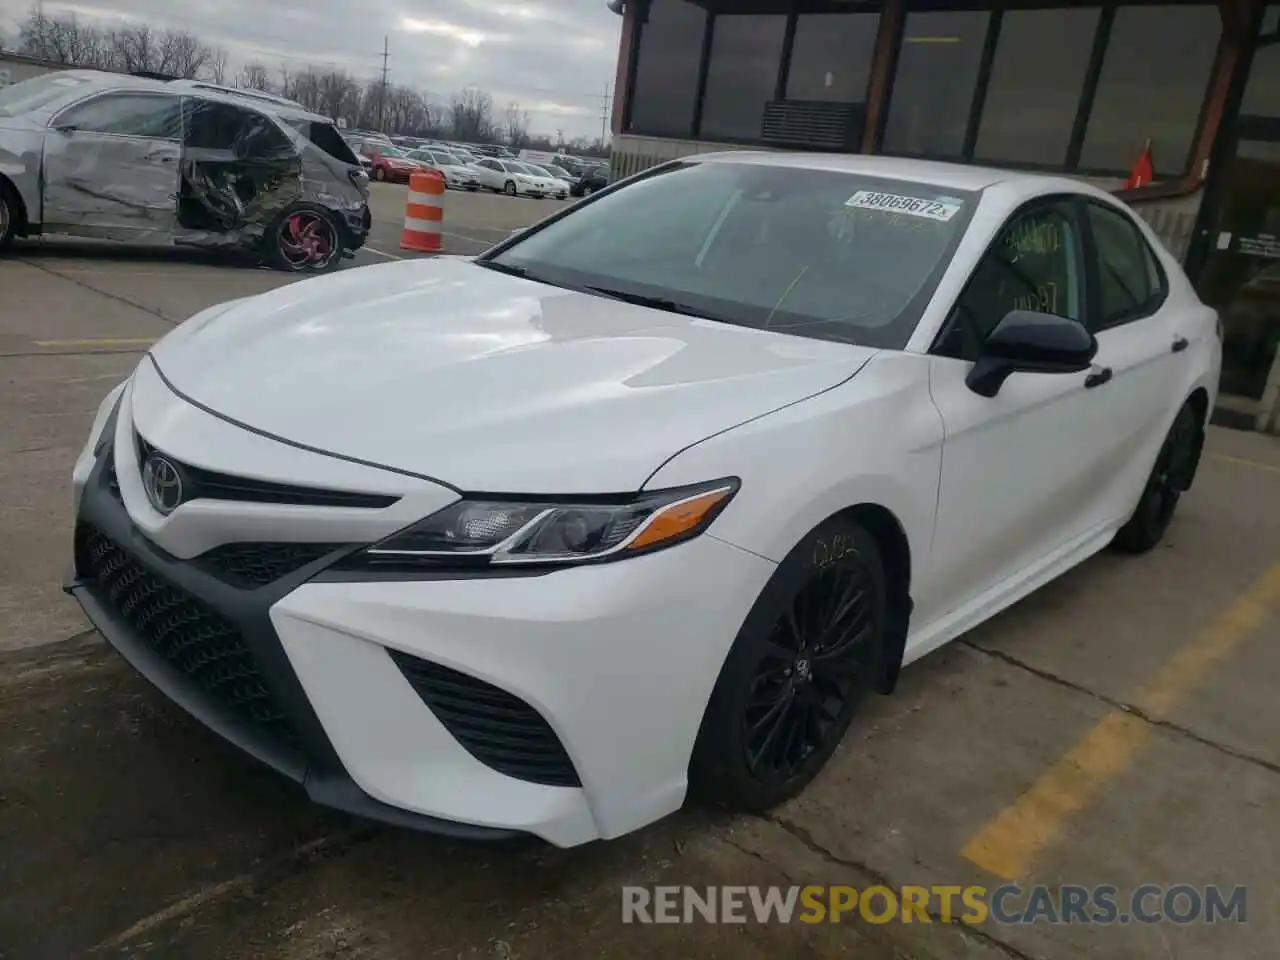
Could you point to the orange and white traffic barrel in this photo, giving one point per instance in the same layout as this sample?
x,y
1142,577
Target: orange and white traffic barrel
x,y
424,213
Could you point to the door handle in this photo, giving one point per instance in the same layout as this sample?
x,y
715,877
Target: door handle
x,y
1180,344
1097,378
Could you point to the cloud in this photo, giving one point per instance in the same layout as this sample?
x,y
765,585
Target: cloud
x,y
553,57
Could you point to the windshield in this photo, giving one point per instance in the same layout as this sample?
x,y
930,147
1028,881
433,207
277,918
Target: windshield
x,y
386,150
825,254
522,168
37,92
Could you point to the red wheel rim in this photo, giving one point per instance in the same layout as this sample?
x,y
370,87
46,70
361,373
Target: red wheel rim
x,y
308,241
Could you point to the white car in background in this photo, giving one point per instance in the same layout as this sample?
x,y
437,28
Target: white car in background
x,y
602,518
562,181
515,179
457,174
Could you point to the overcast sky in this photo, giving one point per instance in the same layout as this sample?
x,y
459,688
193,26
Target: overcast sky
x,y
554,57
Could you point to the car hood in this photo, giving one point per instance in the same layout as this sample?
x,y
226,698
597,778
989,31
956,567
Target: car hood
x,y
485,381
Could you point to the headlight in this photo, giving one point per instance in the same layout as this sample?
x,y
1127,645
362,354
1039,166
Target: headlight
x,y
489,532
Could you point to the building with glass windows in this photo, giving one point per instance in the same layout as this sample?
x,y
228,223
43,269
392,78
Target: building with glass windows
x,y
1082,88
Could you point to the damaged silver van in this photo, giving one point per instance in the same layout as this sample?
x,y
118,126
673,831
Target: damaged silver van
x,y
178,163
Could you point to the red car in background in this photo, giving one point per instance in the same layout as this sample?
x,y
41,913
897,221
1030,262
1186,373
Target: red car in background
x,y
388,162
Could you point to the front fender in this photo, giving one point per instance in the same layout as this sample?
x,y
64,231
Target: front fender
x,y
874,439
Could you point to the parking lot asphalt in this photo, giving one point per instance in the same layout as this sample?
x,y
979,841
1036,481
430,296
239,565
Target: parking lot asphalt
x,y
1118,727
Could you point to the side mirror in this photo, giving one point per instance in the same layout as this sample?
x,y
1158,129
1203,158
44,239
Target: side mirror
x,y
64,127
1029,342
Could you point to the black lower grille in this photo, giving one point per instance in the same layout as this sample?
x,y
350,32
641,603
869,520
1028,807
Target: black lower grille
x,y
109,470
182,629
250,565
498,729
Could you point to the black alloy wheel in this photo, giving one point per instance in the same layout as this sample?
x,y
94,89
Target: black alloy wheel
x,y
809,672
807,656
1170,477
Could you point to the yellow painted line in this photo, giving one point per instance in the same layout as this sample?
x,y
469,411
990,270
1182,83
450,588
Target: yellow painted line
x,y
1242,461
110,342
1009,843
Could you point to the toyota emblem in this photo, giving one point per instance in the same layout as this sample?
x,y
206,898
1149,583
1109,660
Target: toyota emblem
x,y
162,482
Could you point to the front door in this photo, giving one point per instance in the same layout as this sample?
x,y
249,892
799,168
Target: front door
x,y
112,167
1020,469
1241,276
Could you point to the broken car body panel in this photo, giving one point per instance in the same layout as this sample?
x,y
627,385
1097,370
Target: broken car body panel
x,y
116,188
145,161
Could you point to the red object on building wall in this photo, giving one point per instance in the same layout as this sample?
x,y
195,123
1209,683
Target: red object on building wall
x,y
1143,171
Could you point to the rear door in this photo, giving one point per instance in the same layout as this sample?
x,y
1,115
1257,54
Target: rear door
x,y
1018,469
491,174
111,167
1144,350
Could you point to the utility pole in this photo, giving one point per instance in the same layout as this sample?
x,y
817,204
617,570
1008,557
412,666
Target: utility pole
x,y
382,95
604,113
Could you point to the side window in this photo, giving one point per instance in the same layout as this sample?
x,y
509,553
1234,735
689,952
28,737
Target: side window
x,y
246,134
1034,264
1130,284
156,116
260,139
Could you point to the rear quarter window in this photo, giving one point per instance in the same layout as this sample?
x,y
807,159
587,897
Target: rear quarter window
x,y
326,137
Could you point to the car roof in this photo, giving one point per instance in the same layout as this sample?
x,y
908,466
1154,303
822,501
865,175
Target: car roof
x,y
957,176
96,81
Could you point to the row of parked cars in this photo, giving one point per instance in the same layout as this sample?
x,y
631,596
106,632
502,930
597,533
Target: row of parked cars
x,y
466,167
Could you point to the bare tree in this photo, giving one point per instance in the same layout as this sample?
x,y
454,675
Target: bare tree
x,y
134,49
216,67
515,126
471,116
336,94
254,76
182,54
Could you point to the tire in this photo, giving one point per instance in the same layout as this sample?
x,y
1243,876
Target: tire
x,y
588,191
781,665
1170,477
510,188
305,239
379,174
8,215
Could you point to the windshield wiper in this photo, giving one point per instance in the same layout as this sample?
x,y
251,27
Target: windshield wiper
x,y
657,303
506,268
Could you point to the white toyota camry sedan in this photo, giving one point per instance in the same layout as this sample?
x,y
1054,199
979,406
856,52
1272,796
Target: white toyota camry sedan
x,y
645,501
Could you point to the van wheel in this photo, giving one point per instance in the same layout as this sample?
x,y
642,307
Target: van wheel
x,y
8,215
510,189
810,650
304,240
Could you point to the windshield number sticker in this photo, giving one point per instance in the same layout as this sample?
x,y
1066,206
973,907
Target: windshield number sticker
x,y
894,203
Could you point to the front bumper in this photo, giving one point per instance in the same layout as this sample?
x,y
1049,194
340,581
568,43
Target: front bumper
x,y
304,753
617,660
359,223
